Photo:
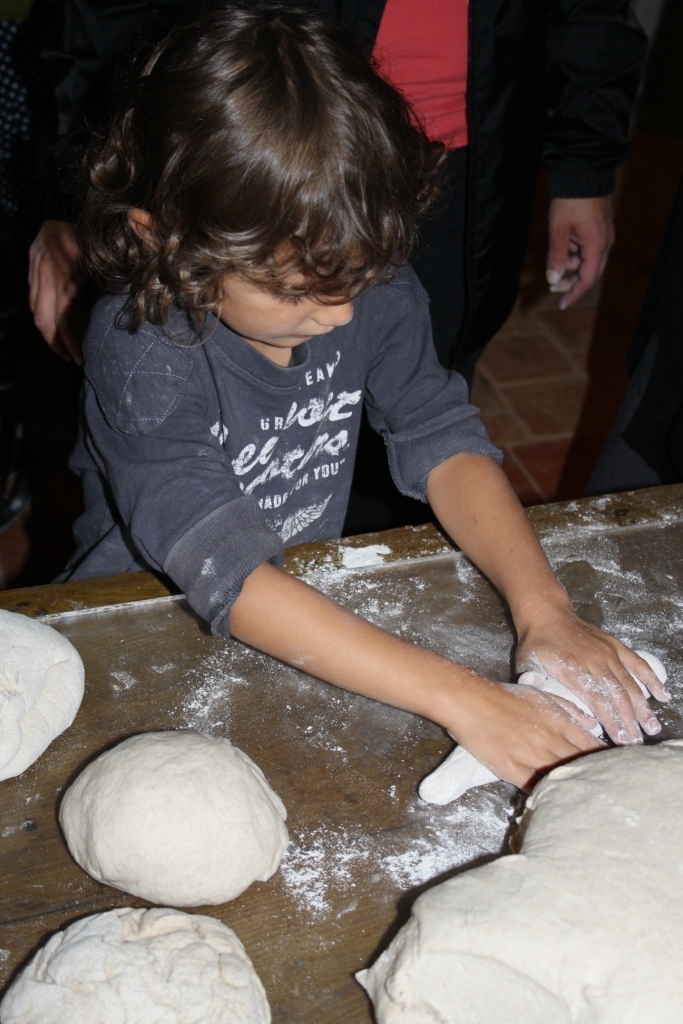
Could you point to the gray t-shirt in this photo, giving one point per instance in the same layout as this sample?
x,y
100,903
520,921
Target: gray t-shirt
x,y
203,459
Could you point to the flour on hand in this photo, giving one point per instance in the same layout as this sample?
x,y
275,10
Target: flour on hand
x,y
139,966
180,818
41,689
461,771
584,924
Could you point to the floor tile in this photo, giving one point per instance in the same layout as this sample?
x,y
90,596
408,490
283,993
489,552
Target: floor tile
x,y
504,428
525,489
572,329
526,358
484,394
543,462
549,408
520,321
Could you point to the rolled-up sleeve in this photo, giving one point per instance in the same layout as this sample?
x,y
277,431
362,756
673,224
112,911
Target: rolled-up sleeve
x,y
210,567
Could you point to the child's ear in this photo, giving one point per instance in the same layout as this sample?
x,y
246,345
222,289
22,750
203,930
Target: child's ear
x,y
142,224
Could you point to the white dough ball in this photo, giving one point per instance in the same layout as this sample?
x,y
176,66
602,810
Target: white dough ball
x,y
584,925
41,689
178,818
132,966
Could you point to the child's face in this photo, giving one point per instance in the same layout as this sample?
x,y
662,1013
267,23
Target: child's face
x,y
276,325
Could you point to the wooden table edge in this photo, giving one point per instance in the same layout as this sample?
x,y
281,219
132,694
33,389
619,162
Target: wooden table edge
x,y
629,509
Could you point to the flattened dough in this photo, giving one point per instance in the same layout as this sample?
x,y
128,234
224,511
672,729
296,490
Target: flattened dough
x,y
41,689
583,926
461,770
179,818
132,966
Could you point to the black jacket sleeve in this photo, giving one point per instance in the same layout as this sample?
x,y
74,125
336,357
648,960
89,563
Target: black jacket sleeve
x,y
596,53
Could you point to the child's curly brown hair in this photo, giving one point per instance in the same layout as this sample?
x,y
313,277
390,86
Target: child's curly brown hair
x,y
258,140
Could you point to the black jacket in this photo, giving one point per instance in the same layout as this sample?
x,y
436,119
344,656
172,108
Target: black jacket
x,y
656,428
550,82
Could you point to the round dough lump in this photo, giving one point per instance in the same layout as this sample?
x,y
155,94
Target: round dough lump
x,y
41,689
583,926
179,818
131,966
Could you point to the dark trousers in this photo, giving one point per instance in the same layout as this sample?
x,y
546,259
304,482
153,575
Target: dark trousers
x,y
439,262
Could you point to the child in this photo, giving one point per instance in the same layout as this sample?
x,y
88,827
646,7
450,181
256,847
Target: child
x,y
249,214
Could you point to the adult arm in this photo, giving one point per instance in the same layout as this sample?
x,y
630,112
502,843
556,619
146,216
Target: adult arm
x,y
596,51
84,43
55,286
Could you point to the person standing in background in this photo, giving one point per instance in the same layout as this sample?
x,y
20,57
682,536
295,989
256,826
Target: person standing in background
x,y
645,446
506,85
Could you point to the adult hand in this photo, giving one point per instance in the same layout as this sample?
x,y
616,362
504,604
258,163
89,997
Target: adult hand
x,y
55,285
581,236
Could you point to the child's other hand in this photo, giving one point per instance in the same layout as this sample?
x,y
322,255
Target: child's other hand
x,y
525,733
596,667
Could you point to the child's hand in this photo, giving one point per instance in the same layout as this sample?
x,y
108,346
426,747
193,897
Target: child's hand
x,y
594,666
520,733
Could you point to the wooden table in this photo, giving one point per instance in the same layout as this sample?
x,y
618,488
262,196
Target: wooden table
x,y
347,769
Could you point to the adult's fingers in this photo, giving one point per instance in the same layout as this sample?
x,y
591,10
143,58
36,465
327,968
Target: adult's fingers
x,y
586,278
44,301
71,343
558,252
34,260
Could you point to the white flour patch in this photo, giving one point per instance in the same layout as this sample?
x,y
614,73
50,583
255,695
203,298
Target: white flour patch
x,y
124,680
208,705
160,669
11,830
371,554
323,868
4,955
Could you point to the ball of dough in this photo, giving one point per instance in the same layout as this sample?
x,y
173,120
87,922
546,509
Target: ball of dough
x,y
156,966
584,924
178,818
41,689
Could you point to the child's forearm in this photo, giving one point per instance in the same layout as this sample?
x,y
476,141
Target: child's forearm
x,y
516,734
476,505
283,616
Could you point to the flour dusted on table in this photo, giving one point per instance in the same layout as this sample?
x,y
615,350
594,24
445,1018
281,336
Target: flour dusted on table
x,y
41,689
134,966
180,818
583,926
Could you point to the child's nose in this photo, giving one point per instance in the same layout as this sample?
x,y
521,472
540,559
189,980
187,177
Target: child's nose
x,y
335,316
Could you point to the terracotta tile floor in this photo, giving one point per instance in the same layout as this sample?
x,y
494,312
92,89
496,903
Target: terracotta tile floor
x,y
531,385
549,385
551,382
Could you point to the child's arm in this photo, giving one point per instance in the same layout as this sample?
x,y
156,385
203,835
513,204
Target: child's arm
x,y
475,503
514,730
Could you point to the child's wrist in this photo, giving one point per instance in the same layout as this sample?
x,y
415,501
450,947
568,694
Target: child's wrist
x,y
463,700
541,607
